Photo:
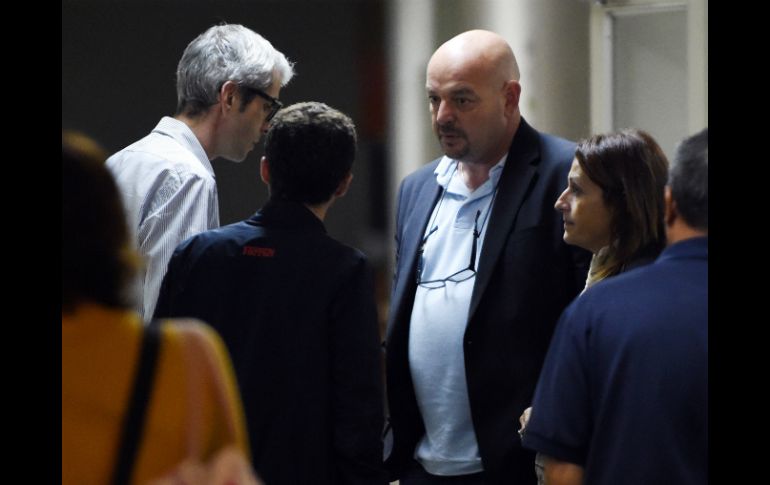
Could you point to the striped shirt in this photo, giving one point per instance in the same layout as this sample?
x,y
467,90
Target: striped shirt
x,y
169,193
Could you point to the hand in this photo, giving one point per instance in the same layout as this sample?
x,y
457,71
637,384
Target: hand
x,y
228,467
524,420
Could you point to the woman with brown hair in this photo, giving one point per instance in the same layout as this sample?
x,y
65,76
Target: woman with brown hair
x,y
192,410
613,206
613,203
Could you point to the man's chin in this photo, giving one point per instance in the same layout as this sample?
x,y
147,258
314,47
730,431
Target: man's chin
x,y
239,158
453,151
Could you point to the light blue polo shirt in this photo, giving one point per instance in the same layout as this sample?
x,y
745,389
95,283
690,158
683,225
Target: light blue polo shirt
x,y
438,322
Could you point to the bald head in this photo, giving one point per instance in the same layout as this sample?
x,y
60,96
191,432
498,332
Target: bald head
x,y
473,89
480,51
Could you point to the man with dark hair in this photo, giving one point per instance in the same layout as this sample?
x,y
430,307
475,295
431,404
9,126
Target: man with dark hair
x,y
296,309
628,365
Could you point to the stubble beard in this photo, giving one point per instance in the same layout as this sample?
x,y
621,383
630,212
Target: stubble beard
x,y
459,148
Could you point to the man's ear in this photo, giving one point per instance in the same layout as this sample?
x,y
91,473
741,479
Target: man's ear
x,y
671,212
227,95
512,95
344,185
264,170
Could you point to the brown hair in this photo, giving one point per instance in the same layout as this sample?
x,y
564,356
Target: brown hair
x,y
97,262
631,169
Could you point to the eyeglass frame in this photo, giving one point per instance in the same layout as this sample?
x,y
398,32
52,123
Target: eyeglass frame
x,y
275,105
454,277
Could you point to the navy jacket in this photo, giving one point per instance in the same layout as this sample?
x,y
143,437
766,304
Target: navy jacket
x,y
296,310
526,276
624,389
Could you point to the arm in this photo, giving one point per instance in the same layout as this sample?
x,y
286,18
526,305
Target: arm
x,y
164,305
357,391
562,472
168,304
397,237
524,420
180,208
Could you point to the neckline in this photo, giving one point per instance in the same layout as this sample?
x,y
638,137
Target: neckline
x,y
432,227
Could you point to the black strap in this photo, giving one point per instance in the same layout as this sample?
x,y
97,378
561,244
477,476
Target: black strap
x,y
133,423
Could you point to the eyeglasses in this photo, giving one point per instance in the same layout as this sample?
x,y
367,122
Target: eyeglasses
x,y
275,105
463,274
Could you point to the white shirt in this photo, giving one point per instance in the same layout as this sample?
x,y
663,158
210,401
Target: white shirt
x,y
169,193
438,321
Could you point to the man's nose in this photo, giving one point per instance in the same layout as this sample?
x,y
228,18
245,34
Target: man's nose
x,y
444,113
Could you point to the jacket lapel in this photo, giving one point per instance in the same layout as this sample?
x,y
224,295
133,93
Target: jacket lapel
x,y
414,228
429,194
518,174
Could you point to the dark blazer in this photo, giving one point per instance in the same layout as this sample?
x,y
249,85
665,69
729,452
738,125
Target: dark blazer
x,y
526,276
296,310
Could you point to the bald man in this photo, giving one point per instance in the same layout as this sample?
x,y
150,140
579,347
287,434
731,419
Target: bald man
x,y
482,274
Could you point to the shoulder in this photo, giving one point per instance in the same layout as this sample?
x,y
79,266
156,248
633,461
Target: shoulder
x,y
552,150
626,282
553,145
421,175
556,154
160,156
321,254
619,300
657,281
190,334
177,328
553,154
214,241
413,182
345,254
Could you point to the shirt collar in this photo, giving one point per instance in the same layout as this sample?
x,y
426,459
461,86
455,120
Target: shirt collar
x,y
446,172
182,133
289,214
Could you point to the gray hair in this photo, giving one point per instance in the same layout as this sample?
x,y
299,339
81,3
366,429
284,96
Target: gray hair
x,y
227,52
689,180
